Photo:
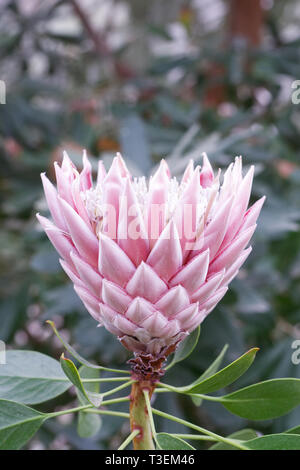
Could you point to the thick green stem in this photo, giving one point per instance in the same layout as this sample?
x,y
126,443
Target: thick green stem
x,y
139,417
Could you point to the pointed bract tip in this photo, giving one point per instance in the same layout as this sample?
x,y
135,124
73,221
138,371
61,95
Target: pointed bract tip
x,y
42,220
262,199
207,174
165,166
114,173
189,170
122,165
66,159
194,182
85,157
162,174
67,164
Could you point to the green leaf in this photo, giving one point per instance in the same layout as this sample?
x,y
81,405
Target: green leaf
x,y
275,442
264,400
168,442
212,369
18,423
88,373
88,424
72,373
185,348
31,377
77,356
295,430
242,435
224,377
71,350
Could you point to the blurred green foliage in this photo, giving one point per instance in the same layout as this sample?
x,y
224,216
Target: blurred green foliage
x,y
147,85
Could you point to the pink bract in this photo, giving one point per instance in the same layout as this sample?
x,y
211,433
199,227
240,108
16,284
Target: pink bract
x,y
124,245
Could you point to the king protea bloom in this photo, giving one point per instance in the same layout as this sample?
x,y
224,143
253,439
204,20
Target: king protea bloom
x,y
150,259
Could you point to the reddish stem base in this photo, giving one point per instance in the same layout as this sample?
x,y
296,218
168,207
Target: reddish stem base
x,y
139,418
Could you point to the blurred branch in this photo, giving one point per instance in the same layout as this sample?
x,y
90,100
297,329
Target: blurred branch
x,y
101,47
246,20
99,42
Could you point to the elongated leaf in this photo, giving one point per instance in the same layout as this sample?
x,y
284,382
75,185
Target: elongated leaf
x,y
31,377
168,442
224,377
88,373
71,350
264,400
88,424
72,373
185,348
18,423
295,430
275,442
242,435
77,356
212,369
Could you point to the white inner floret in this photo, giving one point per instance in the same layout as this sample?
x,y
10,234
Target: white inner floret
x,y
141,190
94,201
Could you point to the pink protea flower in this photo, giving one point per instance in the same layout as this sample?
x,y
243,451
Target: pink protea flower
x,y
150,260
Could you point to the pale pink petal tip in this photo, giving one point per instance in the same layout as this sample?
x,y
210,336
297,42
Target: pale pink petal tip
x,y
207,174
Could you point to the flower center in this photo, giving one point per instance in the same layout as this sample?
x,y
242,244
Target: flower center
x,y
94,201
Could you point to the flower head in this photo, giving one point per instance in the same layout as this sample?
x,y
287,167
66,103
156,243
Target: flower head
x,y
150,259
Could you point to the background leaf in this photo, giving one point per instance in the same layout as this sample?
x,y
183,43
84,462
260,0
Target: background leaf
x,y
295,430
212,369
72,373
31,377
185,348
275,442
168,442
264,400
18,423
88,424
242,435
224,377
